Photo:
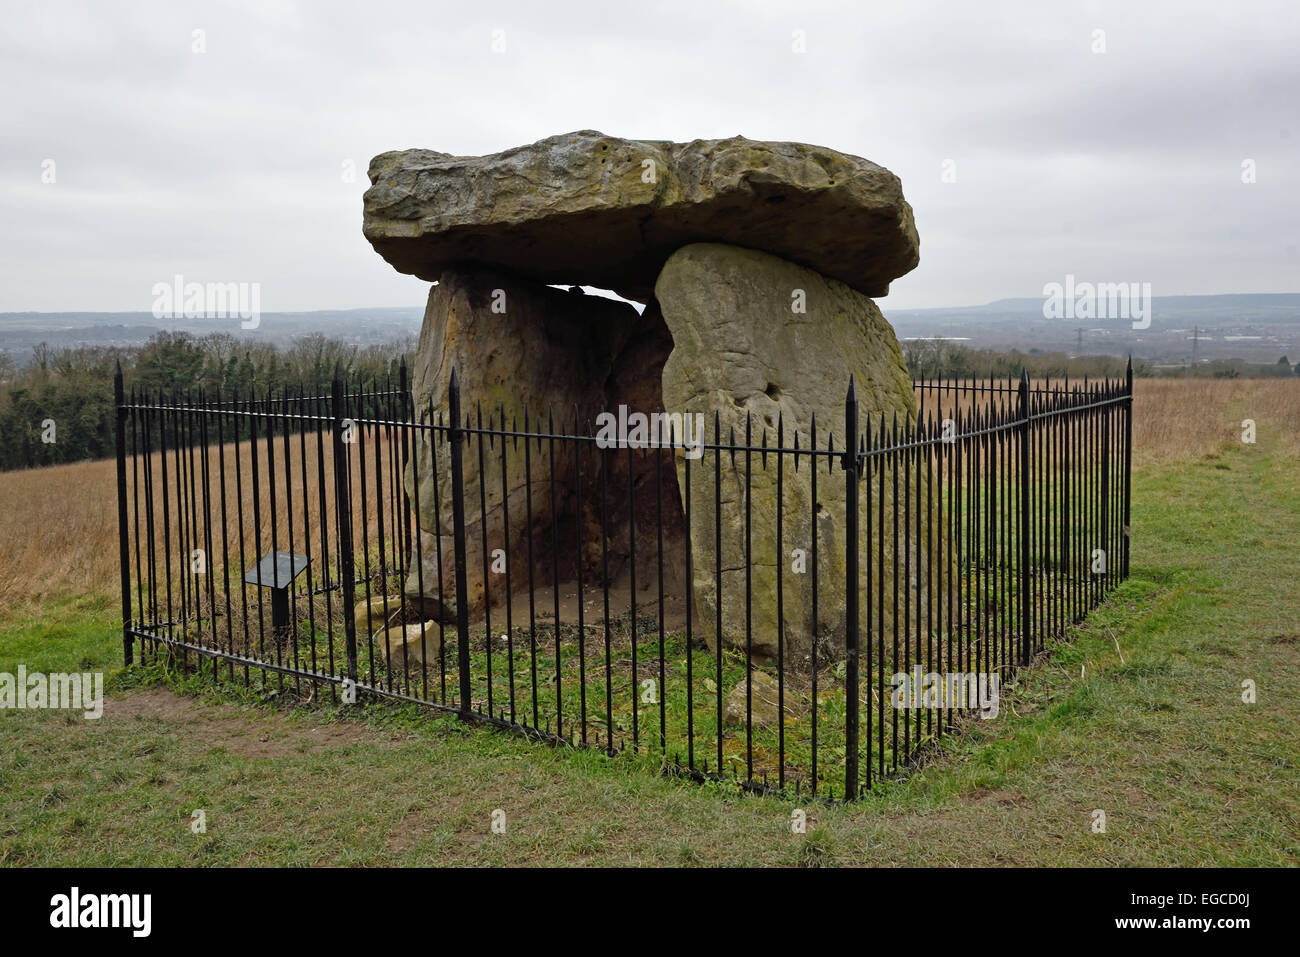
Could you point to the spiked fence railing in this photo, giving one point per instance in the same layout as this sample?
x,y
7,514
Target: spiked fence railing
x,y
806,612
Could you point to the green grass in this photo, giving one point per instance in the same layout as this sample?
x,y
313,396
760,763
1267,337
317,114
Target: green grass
x,y
1140,716
75,634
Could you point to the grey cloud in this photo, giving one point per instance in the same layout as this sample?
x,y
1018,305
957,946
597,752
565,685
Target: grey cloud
x,y
228,165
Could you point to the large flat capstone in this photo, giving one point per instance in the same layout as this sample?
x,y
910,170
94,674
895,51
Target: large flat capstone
x,y
589,209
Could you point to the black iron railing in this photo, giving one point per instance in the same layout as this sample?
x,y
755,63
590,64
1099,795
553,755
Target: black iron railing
x,y
798,611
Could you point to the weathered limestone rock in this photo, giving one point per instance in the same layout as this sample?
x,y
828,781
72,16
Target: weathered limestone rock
x,y
764,703
635,381
522,349
372,614
408,646
590,209
741,349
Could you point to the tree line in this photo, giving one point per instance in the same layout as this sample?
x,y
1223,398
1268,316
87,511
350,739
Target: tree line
x,y
940,359
58,407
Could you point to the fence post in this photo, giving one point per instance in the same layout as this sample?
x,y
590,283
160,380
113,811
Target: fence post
x,y
851,704
343,503
1026,611
407,416
124,551
1103,506
1128,457
458,534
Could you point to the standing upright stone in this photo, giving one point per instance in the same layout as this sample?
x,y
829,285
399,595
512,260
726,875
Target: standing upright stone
x,y
521,351
763,343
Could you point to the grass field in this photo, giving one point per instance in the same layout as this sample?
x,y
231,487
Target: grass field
x,y
1140,716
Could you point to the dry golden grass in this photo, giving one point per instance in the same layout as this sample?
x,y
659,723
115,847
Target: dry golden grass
x,y
58,525
1176,419
1179,419
58,533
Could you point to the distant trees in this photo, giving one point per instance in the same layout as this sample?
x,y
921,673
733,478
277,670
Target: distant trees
x,y
941,359
168,360
1235,369
66,394
58,408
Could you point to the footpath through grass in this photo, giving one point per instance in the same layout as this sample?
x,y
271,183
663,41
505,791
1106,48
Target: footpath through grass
x,y
1140,716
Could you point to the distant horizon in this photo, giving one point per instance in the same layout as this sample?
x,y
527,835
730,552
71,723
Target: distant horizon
x,y
881,301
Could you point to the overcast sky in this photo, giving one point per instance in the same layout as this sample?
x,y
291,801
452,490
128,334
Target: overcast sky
x,y
229,164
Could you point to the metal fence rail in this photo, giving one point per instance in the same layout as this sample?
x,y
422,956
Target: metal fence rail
x,y
794,611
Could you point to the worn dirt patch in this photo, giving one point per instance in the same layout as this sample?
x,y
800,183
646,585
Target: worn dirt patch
x,y
406,833
1000,798
239,730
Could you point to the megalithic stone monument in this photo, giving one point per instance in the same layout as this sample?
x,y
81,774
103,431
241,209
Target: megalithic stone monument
x,y
756,262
